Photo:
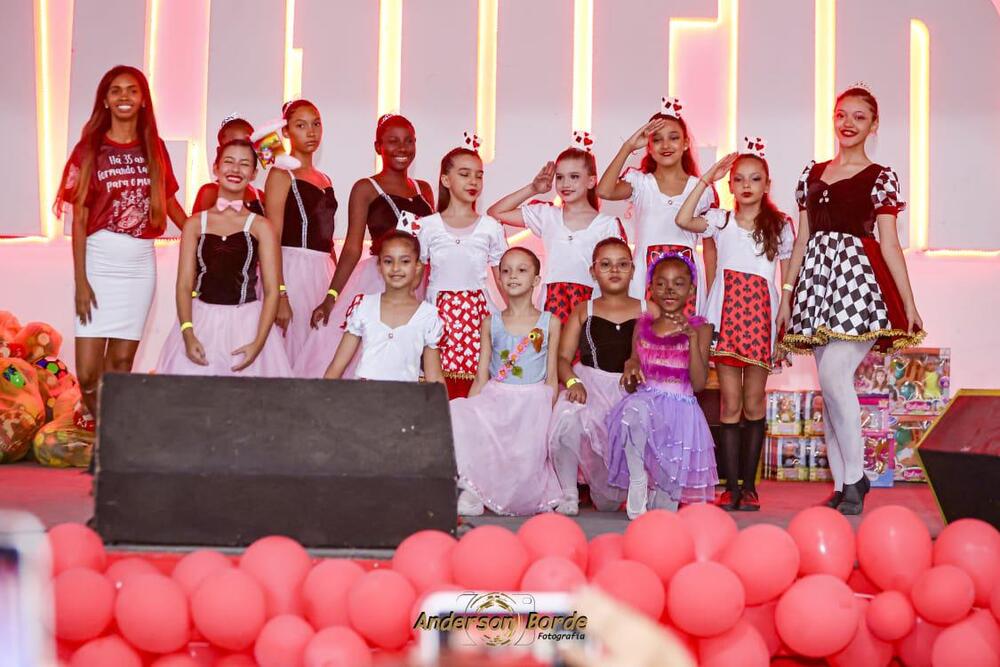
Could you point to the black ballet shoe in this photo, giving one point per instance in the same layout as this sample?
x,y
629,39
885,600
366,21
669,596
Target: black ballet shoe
x,y
833,499
729,500
853,502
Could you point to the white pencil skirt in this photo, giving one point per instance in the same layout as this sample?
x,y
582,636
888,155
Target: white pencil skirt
x,y
122,272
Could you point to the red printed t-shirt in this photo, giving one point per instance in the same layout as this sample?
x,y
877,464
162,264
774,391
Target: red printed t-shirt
x,y
118,197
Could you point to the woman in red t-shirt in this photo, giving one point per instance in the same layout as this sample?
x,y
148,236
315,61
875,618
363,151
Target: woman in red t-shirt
x,y
120,185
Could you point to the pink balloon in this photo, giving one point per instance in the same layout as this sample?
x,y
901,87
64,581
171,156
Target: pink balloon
x,y
634,584
943,594
984,623
176,660
659,539
861,584
282,642
75,545
337,647
196,566
84,601
489,558
379,605
765,559
122,569
280,565
324,592
425,559
420,607
825,540
236,660
974,546
705,599
894,547
711,528
602,550
962,645
761,617
865,649
740,645
104,652
914,650
816,617
890,616
229,609
152,613
553,534
995,602
552,574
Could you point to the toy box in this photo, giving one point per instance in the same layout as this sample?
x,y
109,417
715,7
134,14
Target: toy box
x,y
874,414
819,463
872,376
907,433
880,457
793,460
812,413
920,380
784,413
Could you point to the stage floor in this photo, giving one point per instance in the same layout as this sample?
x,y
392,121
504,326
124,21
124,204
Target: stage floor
x,y
59,496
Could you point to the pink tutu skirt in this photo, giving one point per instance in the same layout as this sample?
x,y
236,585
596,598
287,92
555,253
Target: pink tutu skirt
x,y
222,329
581,428
679,452
500,447
307,276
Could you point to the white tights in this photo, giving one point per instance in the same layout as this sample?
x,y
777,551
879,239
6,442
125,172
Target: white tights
x,y
836,363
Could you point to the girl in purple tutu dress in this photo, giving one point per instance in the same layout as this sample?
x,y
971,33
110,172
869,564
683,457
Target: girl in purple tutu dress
x,y
499,430
224,328
660,431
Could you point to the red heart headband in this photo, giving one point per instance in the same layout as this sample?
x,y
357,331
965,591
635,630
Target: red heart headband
x,y
754,146
670,106
471,142
582,141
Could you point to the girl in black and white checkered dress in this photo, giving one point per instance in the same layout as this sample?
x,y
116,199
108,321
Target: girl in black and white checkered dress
x,y
852,291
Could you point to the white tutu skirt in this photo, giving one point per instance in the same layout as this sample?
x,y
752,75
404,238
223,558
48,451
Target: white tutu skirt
x,y
500,447
307,276
222,329
581,428
121,270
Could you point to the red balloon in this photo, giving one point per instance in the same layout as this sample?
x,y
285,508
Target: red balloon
x,y
974,546
765,559
865,649
324,592
104,652
890,616
489,558
152,613
984,623
705,599
894,547
280,565
914,650
634,584
962,645
282,642
425,559
995,602
85,602
176,660
236,660
229,609
825,540
196,566
816,617
552,574
762,618
659,539
943,594
337,647
75,545
122,569
378,606
420,607
740,645
711,528
602,550
861,584
553,534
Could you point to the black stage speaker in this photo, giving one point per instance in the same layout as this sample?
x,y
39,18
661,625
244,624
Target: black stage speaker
x,y
223,461
961,455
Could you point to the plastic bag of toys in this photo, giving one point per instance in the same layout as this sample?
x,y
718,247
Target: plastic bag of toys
x,y
54,379
68,440
9,326
22,411
38,340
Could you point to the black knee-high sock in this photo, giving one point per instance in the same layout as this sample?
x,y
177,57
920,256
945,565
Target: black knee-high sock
x,y
753,444
728,455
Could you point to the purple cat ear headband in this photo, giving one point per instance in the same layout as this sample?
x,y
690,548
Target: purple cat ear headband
x,y
672,255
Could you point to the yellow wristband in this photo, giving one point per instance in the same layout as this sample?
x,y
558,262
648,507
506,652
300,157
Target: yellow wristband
x,y
570,383
332,292
788,287
186,325
282,288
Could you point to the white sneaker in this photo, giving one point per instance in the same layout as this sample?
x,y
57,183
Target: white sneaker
x,y
569,507
469,504
635,506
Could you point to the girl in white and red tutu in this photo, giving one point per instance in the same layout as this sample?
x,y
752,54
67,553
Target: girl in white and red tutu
x,y
463,247
598,332
569,232
667,175
224,328
659,431
302,206
499,430
751,241
397,333
233,127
